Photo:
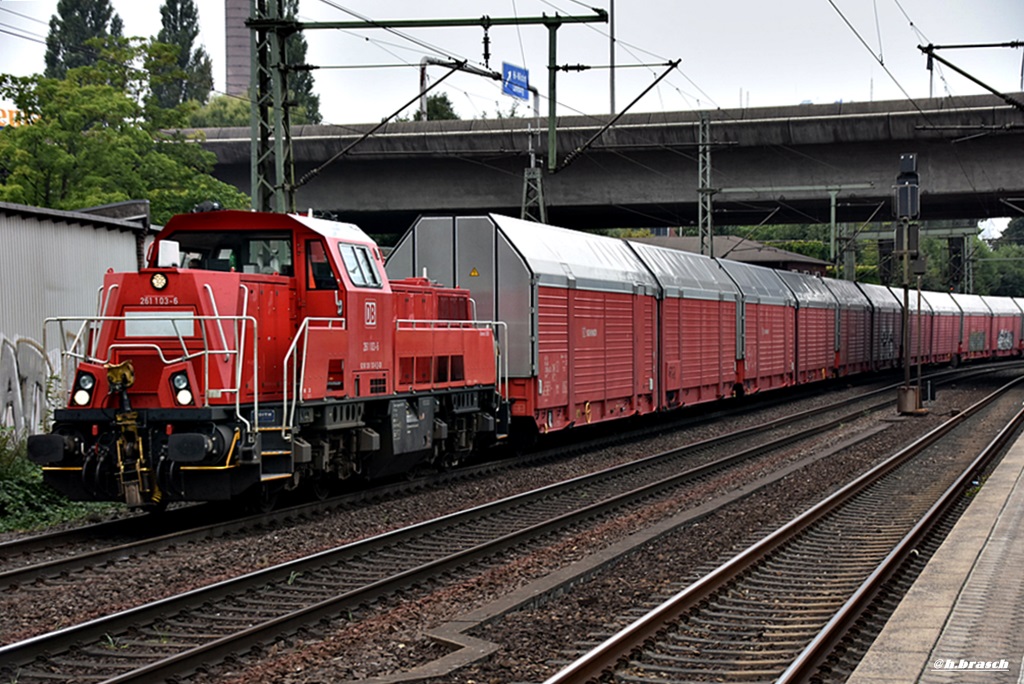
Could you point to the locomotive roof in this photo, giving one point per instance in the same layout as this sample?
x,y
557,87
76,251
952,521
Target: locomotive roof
x,y
235,220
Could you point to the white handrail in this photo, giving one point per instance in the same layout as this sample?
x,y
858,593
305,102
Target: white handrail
x,y
216,312
300,377
93,324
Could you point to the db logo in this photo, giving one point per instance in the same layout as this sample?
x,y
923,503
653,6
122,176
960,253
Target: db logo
x,y
371,314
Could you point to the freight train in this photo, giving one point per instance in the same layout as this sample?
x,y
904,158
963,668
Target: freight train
x,y
257,353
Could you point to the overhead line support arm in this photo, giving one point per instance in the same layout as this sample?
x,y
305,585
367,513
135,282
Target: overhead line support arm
x,y
930,51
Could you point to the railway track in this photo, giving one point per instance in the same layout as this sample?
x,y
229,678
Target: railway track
x,y
776,611
77,552
69,552
179,633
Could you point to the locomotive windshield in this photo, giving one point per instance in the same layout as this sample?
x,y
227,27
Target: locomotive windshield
x,y
360,265
255,252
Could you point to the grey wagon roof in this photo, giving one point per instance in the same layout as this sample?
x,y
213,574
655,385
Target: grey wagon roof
x,y
682,274
558,256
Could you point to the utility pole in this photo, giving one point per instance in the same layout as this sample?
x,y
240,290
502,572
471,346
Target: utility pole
x,y
611,55
271,156
907,206
705,223
271,134
533,206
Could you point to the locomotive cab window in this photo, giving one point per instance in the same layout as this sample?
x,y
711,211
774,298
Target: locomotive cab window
x,y
268,255
359,263
319,275
252,252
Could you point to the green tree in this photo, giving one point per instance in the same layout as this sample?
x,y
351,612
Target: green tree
x,y
193,67
300,81
1013,234
223,111
96,138
70,42
439,108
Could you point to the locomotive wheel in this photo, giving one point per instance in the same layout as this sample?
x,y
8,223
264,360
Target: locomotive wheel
x,y
320,486
156,508
263,497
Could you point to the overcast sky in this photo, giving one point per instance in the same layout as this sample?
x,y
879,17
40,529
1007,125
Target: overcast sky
x,y
734,52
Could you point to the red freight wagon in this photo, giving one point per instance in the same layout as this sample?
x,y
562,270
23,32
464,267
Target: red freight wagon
x,y
581,341
853,326
946,326
699,322
815,326
1006,323
920,317
768,320
886,326
976,337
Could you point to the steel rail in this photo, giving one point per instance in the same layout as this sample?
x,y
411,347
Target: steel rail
x,y
55,642
602,658
129,526
133,526
832,633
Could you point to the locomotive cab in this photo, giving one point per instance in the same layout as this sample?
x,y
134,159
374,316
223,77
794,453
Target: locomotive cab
x,y
258,351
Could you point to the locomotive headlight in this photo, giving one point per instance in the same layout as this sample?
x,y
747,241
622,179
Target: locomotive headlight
x,y
83,394
182,393
158,281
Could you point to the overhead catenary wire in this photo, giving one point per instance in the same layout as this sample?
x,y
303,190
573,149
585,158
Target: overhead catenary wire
x,y
315,172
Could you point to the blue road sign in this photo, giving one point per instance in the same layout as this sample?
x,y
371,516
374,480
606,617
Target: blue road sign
x,y
515,81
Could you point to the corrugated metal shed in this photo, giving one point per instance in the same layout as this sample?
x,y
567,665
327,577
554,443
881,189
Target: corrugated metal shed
x,y
52,263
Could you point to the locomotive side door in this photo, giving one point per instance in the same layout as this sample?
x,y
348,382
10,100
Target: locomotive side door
x,y
370,321
323,299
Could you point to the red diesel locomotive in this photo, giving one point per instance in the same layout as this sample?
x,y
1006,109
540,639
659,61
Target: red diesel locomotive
x,y
257,352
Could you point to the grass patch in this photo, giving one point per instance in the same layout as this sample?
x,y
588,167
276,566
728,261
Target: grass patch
x,y
25,502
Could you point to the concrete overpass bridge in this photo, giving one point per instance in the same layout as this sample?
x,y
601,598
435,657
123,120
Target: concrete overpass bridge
x,y
784,164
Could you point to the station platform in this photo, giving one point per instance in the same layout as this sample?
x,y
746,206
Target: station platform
x,y
963,619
